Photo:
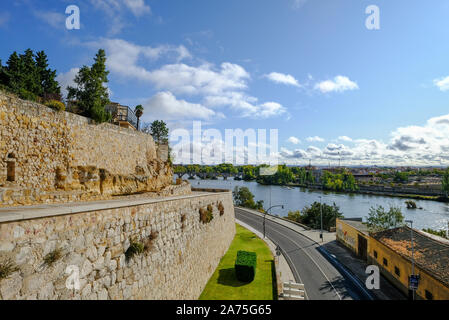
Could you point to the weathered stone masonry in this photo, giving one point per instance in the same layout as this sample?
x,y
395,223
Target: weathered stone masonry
x,y
48,156
184,256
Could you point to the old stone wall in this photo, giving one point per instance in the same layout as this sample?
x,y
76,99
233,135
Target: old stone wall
x,y
42,151
180,252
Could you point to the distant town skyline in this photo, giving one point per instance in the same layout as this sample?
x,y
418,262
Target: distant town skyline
x,y
310,69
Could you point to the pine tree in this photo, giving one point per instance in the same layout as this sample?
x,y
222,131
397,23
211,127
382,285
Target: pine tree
x,y
29,73
4,76
49,87
14,69
91,94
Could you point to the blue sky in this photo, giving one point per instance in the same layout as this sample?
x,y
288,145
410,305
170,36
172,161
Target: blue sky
x,y
308,68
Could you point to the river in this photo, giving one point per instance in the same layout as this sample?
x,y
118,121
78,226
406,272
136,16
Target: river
x,y
433,215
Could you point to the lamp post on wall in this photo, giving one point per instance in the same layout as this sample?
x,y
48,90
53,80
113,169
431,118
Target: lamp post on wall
x,y
265,214
413,255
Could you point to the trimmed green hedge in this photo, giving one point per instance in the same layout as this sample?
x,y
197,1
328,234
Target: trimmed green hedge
x,y
245,266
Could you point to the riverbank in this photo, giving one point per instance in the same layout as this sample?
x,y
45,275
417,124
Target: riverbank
x,y
364,190
434,214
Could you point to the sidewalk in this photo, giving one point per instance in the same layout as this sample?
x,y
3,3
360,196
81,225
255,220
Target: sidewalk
x,y
283,271
313,235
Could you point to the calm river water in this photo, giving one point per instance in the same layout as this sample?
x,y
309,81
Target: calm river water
x,y
434,214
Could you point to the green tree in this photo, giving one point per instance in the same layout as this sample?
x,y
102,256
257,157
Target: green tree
x,y
91,94
311,216
14,72
138,110
445,182
49,88
441,233
400,177
29,74
159,131
294,216
380,219
244,198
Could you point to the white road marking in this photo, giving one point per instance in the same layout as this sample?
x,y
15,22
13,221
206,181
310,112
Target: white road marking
x,y
313,260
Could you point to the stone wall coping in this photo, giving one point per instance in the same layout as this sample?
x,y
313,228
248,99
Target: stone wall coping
x,y
50,210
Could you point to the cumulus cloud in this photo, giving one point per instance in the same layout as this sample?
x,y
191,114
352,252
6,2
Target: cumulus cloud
x,y
338,84
115,11
123,56
344,138
66,79
137,7
282,78
54,19
442,83
426,144
294,140
215,86
166,106
315,139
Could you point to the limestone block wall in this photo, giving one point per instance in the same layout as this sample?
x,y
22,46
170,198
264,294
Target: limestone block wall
x,y
42,150
181,252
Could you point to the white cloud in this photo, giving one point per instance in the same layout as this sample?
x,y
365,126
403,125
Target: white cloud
x,y
425,145
204,79
338,84
282,78
137,7
164,105
315,139
442,83
294,140
115,11
54,19
222,86
66,79
344,138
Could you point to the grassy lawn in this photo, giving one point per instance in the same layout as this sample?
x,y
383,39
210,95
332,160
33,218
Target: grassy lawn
x,y
223,285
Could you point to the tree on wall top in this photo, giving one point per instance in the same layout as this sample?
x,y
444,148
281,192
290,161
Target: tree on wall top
x,y
138,110
91,93
159,131
29,76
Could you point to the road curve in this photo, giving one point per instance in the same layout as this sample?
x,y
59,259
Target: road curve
x,y
321,280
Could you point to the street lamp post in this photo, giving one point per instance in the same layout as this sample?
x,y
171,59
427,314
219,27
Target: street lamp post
x,y
413,255
321,217
265,214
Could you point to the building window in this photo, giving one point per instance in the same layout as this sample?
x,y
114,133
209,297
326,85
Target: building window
x,y
385,262
375,254
397,271
429,295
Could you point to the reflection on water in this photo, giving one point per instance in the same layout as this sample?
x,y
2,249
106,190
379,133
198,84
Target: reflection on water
x,y
434,214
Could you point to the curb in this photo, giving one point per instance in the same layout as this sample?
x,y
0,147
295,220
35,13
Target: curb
x,y
250,211
276,261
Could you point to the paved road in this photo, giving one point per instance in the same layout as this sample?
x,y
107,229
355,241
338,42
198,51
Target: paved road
x,y
321,280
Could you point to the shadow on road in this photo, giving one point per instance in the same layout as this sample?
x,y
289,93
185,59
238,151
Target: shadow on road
x,y
340,284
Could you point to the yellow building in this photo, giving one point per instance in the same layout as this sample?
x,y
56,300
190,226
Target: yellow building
x,y
391,251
